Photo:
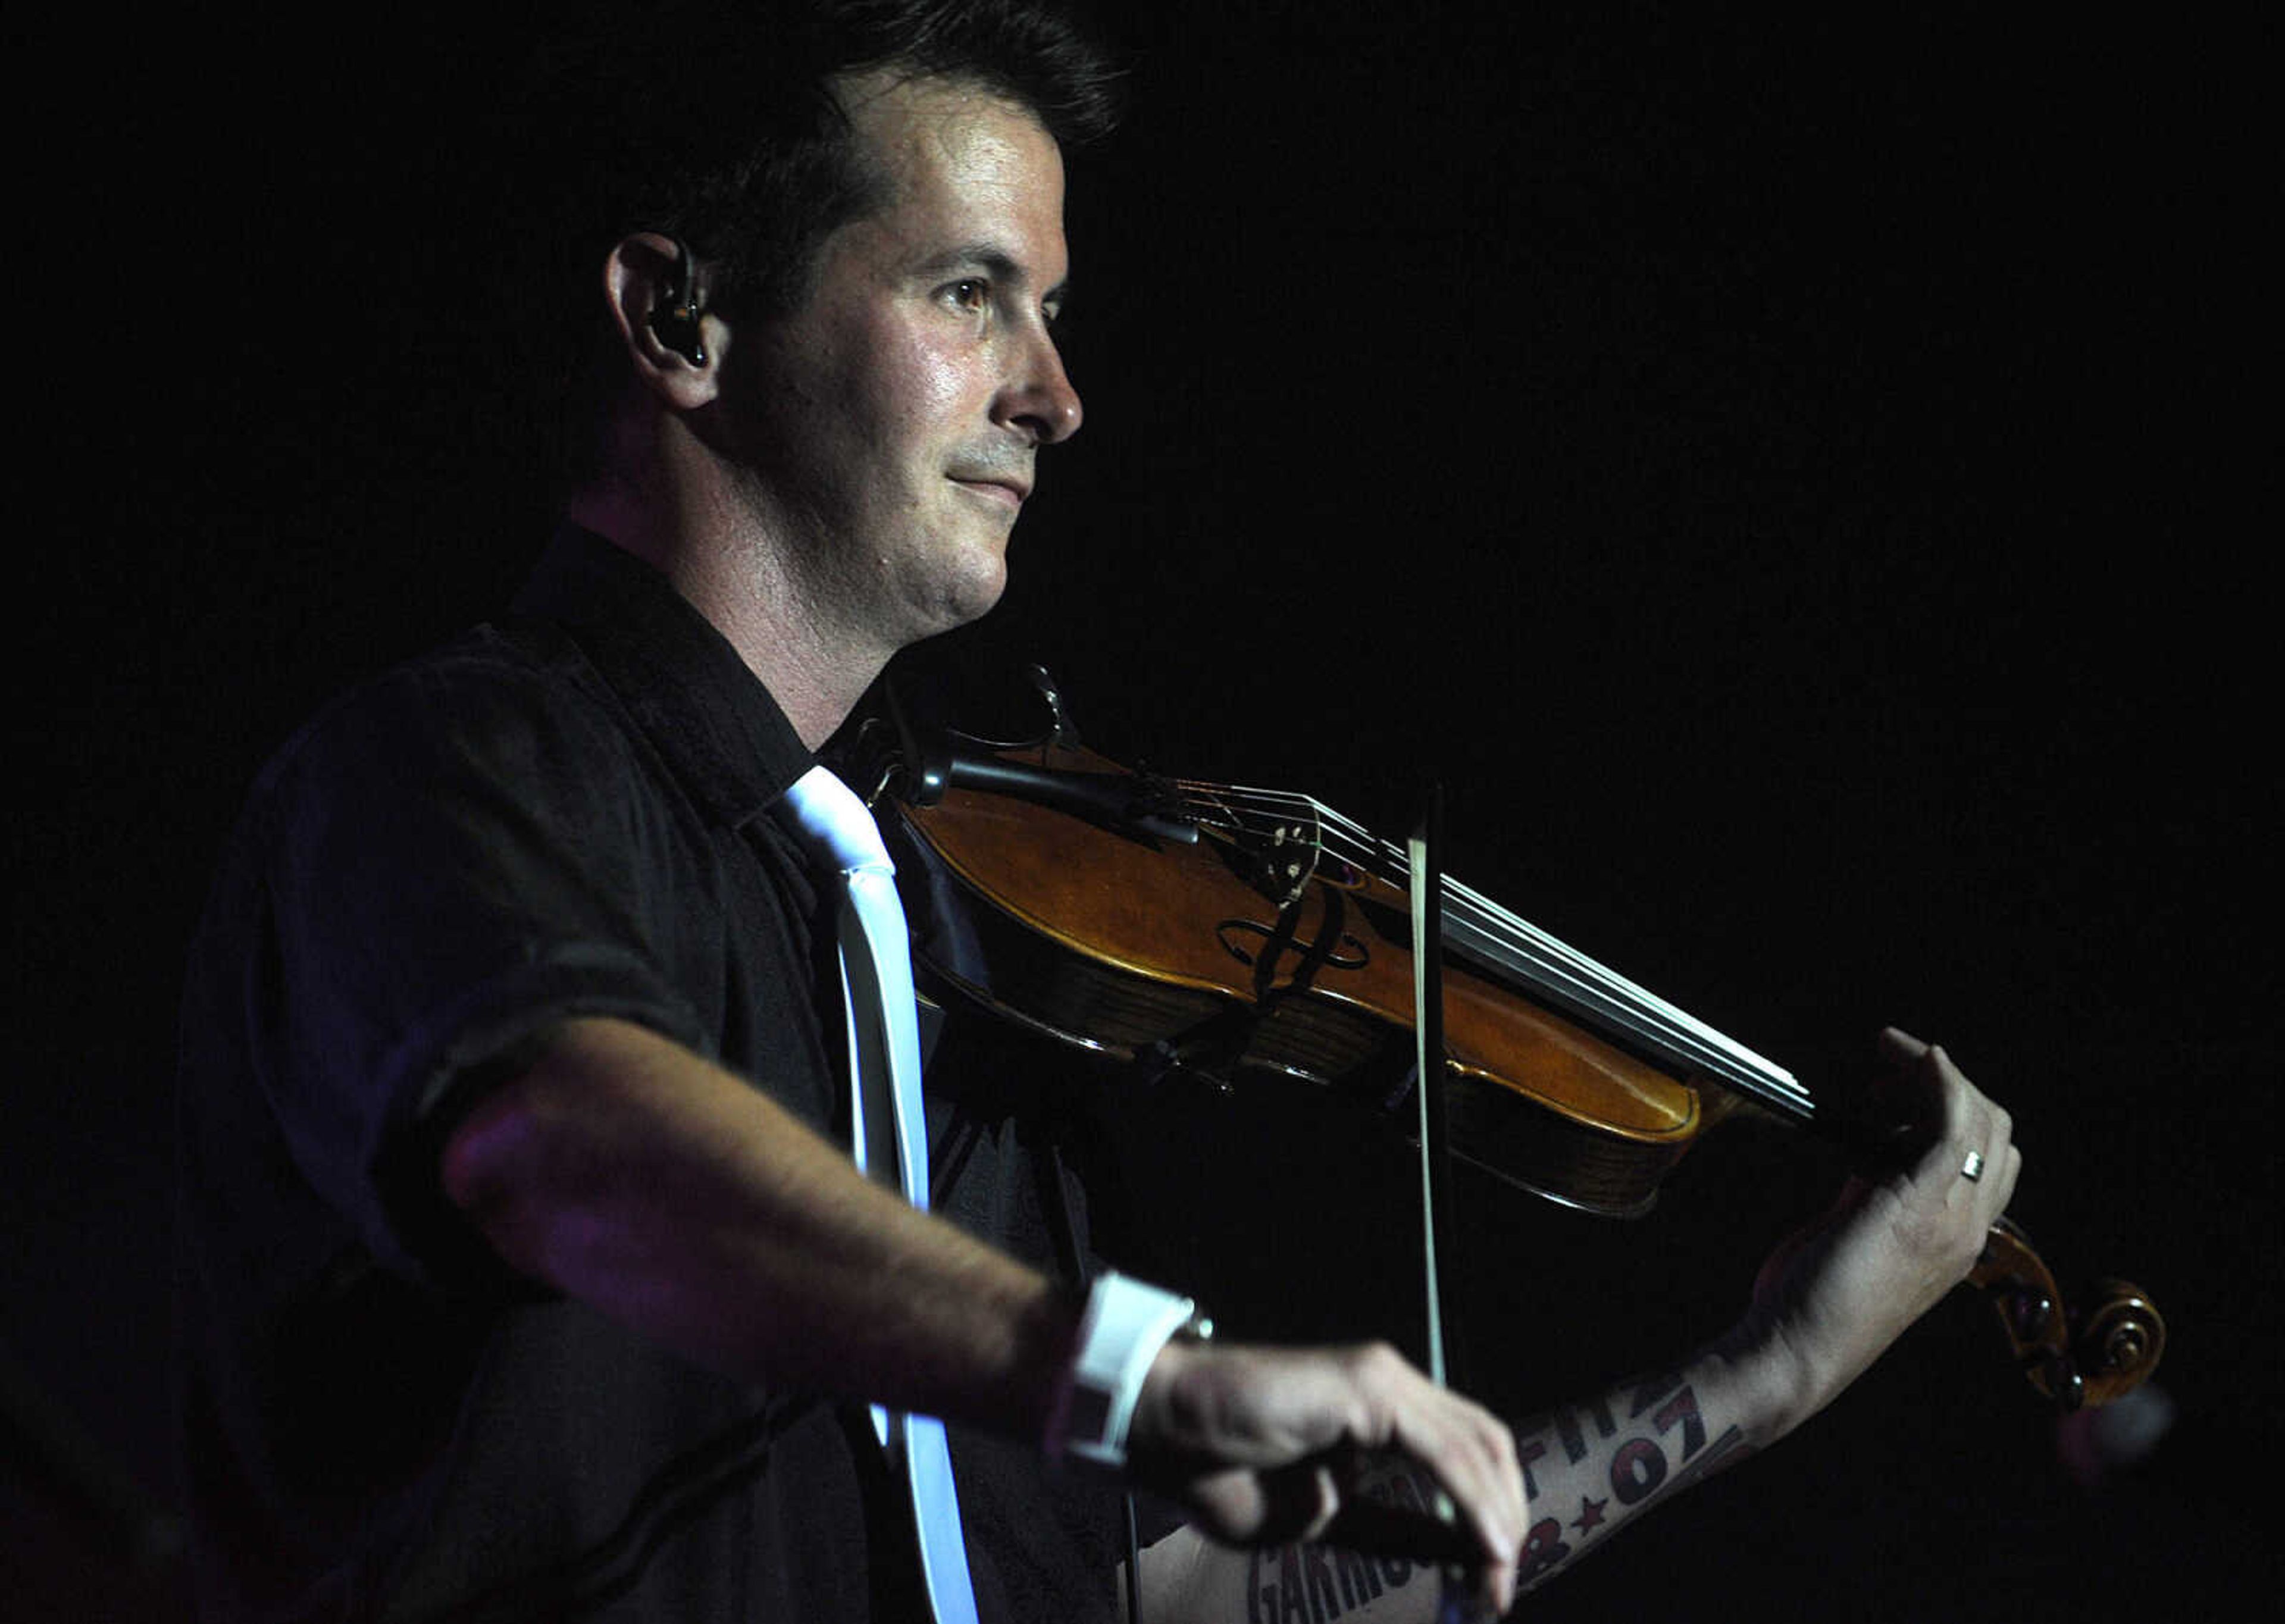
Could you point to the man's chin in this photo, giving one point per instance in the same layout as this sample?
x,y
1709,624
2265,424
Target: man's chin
x,y
962,597
976,600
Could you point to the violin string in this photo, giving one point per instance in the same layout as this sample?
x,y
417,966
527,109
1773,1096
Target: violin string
x,y
1508,939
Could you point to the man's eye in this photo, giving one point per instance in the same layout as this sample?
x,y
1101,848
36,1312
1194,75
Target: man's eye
x,y
971,294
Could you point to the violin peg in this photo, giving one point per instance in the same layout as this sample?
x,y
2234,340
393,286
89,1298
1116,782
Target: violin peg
x,y
2090,1357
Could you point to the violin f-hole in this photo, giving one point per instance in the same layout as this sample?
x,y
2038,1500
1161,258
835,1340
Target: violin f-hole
x,y
1345,954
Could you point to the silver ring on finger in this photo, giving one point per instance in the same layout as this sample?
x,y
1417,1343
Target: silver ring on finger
x,y
1972,1169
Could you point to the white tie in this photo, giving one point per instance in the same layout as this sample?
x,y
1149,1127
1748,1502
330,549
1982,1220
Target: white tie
x,y
887,1127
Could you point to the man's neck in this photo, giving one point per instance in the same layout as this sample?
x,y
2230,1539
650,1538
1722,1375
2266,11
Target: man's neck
x,y
704,541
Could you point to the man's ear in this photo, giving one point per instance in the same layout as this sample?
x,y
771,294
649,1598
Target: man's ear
x,y
657,294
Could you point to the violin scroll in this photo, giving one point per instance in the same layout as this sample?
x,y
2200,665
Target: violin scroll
x,y
2091,1356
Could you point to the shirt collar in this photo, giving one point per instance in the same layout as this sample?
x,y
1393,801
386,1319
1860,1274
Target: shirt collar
x,y
717,727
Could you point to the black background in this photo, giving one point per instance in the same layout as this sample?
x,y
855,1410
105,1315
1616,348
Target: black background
x,y
1798,485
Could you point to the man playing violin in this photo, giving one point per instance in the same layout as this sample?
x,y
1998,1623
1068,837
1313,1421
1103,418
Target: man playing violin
x,y
530,1275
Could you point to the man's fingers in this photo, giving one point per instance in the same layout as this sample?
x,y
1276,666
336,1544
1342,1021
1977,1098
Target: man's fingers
x,y
1977,1133
1472,1454
1269,1445
1374,1528
1899,1047
1300,1500
1949,1115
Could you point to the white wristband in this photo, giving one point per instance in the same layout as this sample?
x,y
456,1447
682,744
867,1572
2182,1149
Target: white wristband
x,y
1125,1325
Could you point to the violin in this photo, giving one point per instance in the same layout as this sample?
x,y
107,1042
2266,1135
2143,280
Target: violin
x,y
1213,928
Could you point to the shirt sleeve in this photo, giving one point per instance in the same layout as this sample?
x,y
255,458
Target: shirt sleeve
x,y
449,865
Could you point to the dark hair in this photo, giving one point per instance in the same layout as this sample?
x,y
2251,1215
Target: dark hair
x,y
720,125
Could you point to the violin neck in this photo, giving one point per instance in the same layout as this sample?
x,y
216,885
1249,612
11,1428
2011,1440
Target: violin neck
x,y
1486,934
1510,947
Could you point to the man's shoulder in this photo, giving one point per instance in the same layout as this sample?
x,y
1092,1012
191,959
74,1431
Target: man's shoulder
x,y
511,660
499,700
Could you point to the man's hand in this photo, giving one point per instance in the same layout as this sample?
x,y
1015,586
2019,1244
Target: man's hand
x,y
1266,1445
1834,1297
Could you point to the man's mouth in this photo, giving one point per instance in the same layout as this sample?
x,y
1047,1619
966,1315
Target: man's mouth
x,y
995,487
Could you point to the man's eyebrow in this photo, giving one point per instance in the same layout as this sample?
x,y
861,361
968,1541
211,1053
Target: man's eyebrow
x,y
995,261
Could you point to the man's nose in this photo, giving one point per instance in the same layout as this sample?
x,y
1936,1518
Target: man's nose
x,y
1039,397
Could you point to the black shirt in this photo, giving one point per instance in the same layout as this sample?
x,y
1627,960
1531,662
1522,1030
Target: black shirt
x,y
567,812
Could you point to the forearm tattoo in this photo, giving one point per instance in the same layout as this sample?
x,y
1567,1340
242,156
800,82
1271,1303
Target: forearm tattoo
x,y
1309,1584
1661,1447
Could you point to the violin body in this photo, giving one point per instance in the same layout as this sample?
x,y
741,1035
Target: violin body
x,y
1208,959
